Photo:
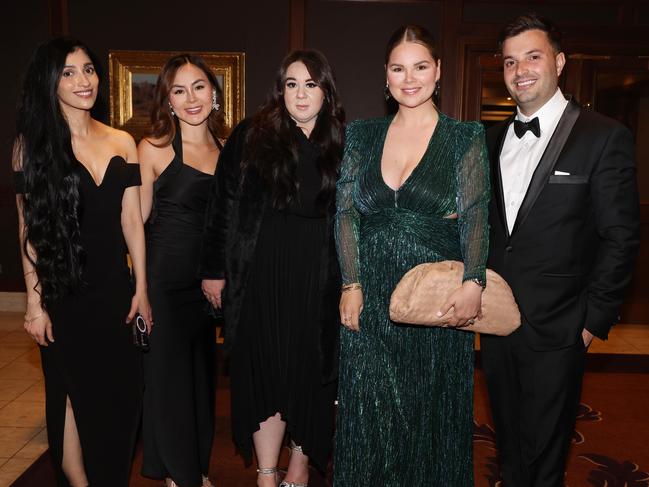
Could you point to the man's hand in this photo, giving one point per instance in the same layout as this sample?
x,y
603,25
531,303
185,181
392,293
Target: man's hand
x,y
587,337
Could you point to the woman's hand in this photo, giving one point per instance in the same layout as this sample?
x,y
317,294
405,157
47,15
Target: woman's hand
x,y
466,302
351,306
212,289
140,304
39,326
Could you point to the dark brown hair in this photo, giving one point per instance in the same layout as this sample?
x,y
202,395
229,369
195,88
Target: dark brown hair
x,y
531,21
420,35
412,33
272,141
163,125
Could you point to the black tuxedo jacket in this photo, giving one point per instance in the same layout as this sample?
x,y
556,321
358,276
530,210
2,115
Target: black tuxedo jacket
x,y
572,249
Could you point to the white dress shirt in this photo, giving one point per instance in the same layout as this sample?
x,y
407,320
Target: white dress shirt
x,y
519,157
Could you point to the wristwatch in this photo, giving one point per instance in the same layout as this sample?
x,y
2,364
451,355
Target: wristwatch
x,y
479,282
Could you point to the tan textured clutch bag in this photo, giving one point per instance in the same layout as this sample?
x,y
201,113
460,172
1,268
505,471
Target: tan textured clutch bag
x,y
424,289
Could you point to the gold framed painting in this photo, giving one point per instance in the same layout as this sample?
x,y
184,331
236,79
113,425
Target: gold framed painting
x,y
133,75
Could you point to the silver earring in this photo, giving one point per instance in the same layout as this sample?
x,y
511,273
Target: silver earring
x,y
386,92
171,110
436,92
215,106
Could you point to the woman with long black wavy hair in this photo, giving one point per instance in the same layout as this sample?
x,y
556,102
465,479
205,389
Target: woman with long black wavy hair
x,y
79,212
269,241
177,162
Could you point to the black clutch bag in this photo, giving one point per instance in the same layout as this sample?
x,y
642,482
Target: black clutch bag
x,y
140,334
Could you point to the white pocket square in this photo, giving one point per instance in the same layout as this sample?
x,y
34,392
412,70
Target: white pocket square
x,y
561,173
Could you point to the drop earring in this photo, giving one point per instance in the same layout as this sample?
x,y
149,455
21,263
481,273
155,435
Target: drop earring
x,y
386,92
215,106
436,92
171,110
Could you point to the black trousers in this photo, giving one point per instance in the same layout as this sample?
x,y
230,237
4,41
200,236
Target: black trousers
x,y
534,397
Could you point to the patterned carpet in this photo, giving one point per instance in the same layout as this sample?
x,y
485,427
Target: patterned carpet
x,y
610,443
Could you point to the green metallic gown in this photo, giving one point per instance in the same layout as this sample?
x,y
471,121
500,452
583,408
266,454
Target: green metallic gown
x,y
406,393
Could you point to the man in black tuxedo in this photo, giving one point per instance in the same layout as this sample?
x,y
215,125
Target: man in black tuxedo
x,y
564,234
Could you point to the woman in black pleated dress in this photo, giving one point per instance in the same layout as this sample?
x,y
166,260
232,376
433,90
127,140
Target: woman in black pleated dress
x,y
269,241
79,212
177,162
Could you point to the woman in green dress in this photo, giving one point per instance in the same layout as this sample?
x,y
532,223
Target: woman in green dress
x,y
414,188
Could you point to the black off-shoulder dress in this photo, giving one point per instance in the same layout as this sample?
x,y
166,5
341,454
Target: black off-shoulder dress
x,y
92,359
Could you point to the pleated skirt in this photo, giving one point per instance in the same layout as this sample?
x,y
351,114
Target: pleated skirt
x,y
275,362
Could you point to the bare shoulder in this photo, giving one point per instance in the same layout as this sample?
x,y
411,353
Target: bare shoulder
x,y
155,152
121,141
123,138
152,146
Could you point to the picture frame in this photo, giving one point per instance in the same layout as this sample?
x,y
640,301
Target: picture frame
x,y
133,75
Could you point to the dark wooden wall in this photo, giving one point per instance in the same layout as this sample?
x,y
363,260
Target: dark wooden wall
x,y
352,33
24,24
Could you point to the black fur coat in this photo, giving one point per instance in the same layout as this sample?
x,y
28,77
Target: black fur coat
x,y
237,205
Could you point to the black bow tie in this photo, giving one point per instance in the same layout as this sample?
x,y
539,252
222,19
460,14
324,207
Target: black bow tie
x,y
521,127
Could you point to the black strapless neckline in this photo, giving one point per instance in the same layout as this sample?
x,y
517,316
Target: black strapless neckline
x,y
94,181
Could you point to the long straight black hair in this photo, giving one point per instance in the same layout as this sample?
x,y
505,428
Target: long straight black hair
x,y
51,203
273,144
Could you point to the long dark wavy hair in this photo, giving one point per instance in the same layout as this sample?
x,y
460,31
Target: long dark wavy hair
x,y
163,123
273,143
51,203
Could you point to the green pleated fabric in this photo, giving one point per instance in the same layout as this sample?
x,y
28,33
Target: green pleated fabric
x,y
405,413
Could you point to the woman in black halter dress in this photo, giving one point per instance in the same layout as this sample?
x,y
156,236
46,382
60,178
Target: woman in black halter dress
x,y
178,420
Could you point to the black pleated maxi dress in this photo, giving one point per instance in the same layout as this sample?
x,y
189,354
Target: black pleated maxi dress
x,y
275,364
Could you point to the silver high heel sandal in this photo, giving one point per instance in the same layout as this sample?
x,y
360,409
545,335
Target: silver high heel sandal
x,y
284,483
207,482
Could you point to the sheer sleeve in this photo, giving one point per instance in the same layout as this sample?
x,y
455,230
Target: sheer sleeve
x,y
347,217
474,192
223,192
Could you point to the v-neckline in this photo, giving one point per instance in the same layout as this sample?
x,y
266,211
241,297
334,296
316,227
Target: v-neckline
x,y
422,159
92,178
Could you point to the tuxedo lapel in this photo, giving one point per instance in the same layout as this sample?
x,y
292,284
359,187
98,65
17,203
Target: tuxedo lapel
x,y
548,161
499,195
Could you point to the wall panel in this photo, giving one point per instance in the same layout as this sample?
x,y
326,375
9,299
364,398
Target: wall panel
x,y
257,27
24,26
353,36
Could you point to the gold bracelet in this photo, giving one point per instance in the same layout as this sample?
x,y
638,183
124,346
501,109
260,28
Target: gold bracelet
x,y
29,320
351,287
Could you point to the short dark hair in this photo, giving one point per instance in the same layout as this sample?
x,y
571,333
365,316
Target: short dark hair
x,y
531,21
